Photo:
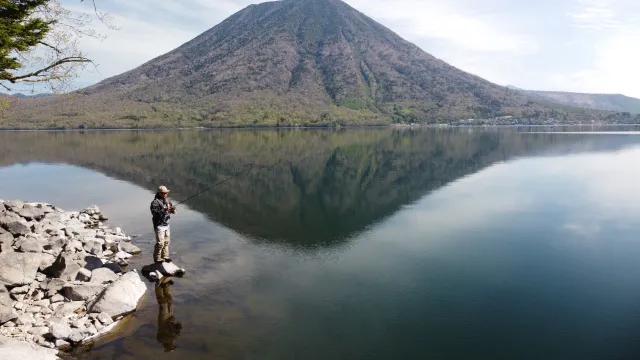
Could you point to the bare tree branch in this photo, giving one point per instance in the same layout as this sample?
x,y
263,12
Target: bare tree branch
x,y
50,46
22,78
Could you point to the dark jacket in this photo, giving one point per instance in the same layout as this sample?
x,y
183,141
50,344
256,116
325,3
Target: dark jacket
x,y
160,211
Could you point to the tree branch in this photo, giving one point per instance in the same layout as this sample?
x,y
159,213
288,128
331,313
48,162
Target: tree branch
x,y
50,46
25,77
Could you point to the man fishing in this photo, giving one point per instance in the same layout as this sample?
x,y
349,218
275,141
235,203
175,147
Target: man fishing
x,y
161,210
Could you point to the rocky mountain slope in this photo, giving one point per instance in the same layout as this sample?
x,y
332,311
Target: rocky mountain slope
x,y
609,102
313,62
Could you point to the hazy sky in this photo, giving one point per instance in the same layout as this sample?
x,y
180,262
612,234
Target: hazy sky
x,y
569,45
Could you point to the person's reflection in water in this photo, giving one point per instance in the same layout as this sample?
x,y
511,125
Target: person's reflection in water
x,y
168,328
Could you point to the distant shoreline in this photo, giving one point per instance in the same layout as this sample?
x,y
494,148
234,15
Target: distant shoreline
x,y
393,126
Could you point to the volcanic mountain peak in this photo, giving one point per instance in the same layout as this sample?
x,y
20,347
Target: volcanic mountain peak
x,y
317,62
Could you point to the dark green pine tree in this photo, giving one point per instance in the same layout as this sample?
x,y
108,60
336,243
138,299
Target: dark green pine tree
x,y
19,31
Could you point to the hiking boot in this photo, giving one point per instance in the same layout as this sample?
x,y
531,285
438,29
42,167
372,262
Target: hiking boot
x,y
167,260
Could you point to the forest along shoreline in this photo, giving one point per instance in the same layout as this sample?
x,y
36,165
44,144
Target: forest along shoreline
x,y
63,278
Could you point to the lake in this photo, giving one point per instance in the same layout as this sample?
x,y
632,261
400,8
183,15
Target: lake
x,y
470,243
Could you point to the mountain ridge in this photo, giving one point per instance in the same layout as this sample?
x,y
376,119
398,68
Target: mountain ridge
x,y
597,101
282,63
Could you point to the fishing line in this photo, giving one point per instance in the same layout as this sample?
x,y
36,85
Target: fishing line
x,y
215,185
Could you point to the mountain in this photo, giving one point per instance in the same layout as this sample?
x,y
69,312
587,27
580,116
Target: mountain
x,y
609,102
311,62
23,96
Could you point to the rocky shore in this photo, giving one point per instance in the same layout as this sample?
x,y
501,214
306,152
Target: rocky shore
x,y
62,278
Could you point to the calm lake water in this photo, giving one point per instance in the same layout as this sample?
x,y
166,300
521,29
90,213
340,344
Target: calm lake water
x,y
365,244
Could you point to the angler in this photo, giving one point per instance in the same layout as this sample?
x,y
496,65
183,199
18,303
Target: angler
x,y
161,210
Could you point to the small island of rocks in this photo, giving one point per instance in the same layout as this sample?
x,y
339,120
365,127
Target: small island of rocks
x,y
62,281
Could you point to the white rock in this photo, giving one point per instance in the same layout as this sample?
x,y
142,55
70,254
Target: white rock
x,y
60,331
25,319
82,292
41,330
57,298
20,268
61,344
166,269
12,349
79,323
19,305
6,306
79,334
129,248
105,318
121,297
103,275
20,290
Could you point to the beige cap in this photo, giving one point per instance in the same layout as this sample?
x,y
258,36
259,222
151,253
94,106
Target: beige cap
x,y
163,189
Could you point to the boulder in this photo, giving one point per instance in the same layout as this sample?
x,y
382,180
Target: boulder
x,y
74,245
68,308
60,330
123,255
81,292
19,268
64,268
103,275
38,330
78,335
13,349
92,263
28,245
129,248
57,298
31,212
166,269
14,205
17,227
6,241
93,247
25,319
6,306
54,285
83,275
116,268
121,297
91,210
62,345
84,218
105,318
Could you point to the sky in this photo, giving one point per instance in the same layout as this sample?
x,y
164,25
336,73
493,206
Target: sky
x,y
561,45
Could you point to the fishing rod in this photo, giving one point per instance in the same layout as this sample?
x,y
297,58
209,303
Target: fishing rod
x,y
215,185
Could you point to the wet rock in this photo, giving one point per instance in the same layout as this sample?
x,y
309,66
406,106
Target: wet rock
x,y
62,344
105,318
78,335
121,297
129,248
81,292
166,269
7,311
83,275
103,275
